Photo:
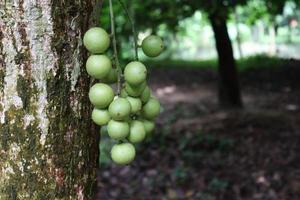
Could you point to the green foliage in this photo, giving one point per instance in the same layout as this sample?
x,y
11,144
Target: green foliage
x,y
211,64
260,61
215,5
254,10
275,6
263,10
184,18
156,12
252,62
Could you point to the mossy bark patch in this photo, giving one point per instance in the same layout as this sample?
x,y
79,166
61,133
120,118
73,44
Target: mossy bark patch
x,y
48,147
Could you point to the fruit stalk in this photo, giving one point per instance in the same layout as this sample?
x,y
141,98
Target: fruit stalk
x,y
132,27
114,42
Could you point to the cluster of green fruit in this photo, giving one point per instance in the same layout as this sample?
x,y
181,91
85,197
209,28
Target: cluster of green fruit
x,y
128,116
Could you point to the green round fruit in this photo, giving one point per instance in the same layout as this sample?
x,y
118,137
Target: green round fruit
x,y
117,130
151,109
152,46
96,40
137,131
135,91
146,94
135,73
101,95
123,154
100,117
149,126
112,77
119,109
136,104
98,66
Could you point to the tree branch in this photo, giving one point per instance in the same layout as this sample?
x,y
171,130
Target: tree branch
x,y
132,27
114,42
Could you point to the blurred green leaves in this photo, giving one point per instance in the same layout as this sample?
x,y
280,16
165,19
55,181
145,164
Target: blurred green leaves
x,y
185,27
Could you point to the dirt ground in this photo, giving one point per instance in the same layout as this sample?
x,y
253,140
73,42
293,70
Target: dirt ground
x,y
200,151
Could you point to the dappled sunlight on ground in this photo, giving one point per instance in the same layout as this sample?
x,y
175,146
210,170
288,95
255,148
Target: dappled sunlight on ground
x,y
173,94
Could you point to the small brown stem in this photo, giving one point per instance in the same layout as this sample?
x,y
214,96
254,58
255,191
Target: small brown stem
x,y
130,18
114,42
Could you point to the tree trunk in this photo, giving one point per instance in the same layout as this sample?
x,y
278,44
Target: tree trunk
x,y
229,90
48,148
238,34
290,33
272,36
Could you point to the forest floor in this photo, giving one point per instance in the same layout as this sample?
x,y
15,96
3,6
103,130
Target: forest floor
x,y
200,151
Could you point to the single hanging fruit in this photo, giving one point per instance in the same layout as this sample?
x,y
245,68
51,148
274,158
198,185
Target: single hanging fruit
x,y
137,131
100,117
136,104
123,154
135,73
151,109
101,95
119,109
96,40
98,66
118,130
152,46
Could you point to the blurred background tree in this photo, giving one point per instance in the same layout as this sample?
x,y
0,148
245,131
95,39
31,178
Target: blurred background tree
x,y
171,14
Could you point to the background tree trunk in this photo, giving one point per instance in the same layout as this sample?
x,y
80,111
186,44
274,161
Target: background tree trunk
x,y
238,34
272,36
229,90
47,143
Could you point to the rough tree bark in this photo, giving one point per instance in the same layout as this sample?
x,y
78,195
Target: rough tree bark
x,y
47,142
229,89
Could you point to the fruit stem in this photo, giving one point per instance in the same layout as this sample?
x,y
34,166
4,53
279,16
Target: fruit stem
x,y
114,41
130,18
